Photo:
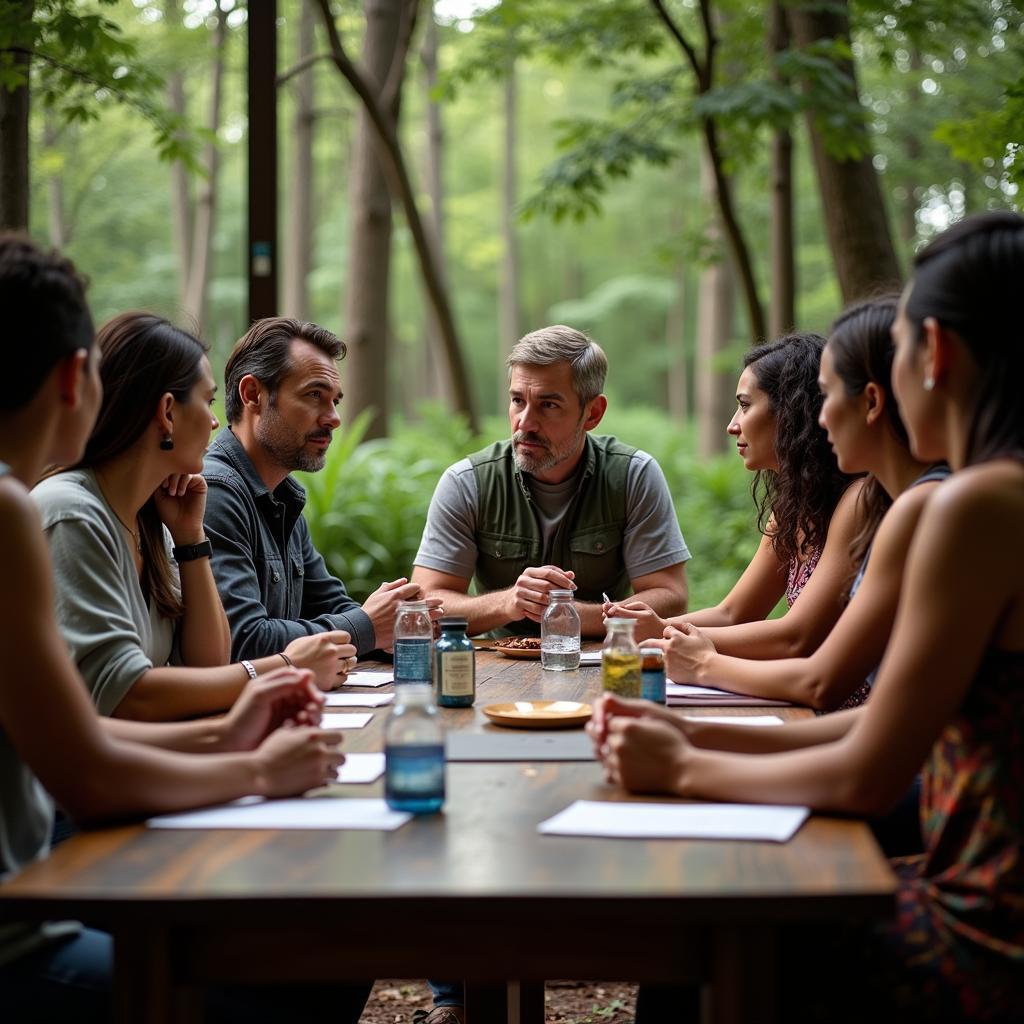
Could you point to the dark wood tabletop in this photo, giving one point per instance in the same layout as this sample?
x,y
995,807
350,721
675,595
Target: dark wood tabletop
x,y
473,892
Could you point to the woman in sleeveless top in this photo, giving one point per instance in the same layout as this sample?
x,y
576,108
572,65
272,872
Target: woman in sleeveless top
x,y
949,692
138,604
864,428
807,514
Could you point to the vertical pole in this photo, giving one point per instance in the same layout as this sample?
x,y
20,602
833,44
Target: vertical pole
x,y
262,249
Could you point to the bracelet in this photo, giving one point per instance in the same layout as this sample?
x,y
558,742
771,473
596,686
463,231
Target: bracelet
x,y
190,552
288,661
247,665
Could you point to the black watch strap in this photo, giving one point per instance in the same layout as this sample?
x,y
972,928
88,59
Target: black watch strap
x,y
190,552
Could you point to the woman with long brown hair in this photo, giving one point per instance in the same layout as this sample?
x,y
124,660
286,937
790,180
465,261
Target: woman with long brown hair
x,y
137,600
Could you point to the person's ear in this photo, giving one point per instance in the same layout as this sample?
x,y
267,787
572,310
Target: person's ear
x,y
938,352
165,414
250,392
874,403
596,412
71,374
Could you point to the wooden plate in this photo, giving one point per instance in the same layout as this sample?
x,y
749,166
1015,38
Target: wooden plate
x,y
539,714
527,653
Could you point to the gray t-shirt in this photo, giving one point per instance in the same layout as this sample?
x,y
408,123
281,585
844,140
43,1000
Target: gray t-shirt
x,y
113,634
26,820
652,539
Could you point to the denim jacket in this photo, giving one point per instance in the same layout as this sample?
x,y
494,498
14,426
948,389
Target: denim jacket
x,y
274,584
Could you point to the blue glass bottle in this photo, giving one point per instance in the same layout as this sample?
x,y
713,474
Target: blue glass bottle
x,y
652,675
413,643
454,665
414,761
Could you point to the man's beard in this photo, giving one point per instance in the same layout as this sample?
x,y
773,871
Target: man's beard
x,y
541,462
286,449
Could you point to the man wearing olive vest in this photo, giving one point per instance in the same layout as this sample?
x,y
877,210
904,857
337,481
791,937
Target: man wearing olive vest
x,y
553,507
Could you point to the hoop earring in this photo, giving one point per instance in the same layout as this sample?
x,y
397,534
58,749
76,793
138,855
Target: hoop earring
x,y
167,443
929,384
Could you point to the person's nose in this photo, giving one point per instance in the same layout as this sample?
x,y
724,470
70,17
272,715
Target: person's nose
x,y
527,419
734,426
331,418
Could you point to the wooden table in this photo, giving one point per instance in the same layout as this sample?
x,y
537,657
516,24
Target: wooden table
x,y
474,892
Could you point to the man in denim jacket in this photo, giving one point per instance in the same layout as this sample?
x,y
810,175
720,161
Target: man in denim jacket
x,y
282,389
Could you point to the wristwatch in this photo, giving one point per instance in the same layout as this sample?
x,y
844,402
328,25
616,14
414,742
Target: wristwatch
x,y
190,552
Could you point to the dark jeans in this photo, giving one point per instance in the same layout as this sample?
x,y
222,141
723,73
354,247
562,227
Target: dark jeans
x,y
72,982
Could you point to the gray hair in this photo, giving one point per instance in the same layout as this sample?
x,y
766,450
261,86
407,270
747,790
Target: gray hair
x,y
561,344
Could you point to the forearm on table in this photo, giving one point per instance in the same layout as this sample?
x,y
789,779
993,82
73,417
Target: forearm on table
x,y
790,679
202,737
816,776
767,639
747,739
205,637
170,693
483,611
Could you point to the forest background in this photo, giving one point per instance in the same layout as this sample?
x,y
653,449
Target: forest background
x,y
680,179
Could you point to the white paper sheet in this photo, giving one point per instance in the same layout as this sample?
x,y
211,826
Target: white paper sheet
x,y
361,768
369,679
590,657
345,721
316,812
676,821
736,719
358,700
707,696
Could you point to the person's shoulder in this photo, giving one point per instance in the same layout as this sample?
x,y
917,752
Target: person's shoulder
x,y
20,527
496,452
68,495
987,495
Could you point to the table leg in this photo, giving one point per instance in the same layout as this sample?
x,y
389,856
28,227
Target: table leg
x,y
743,977
144,988
526,1002
487,1003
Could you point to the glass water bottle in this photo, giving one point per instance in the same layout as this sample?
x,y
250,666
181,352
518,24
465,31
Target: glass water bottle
x,y
413,644
414,752
560,633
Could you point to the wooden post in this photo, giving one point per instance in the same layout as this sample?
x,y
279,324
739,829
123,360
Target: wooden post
x,y
262,242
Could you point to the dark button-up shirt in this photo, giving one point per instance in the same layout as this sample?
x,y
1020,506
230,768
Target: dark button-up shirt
x,y
274,584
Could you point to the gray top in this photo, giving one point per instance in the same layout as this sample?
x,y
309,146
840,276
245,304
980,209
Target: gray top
x,y
113,634
26,820
652,538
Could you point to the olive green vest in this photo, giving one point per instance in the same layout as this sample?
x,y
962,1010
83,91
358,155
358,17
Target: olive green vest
x,y
588,539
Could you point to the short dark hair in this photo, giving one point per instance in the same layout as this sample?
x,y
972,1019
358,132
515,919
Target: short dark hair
x,y
265,352
46,317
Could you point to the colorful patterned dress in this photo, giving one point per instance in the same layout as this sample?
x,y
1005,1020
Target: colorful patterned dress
x,y
955,951
799,574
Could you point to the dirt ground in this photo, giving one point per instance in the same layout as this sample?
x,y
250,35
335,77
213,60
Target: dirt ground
x,y
566,1002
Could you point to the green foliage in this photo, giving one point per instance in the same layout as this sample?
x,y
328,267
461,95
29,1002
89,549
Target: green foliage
x,y
367,507
81,60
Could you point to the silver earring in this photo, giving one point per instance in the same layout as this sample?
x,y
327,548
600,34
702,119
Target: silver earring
x,y
929,384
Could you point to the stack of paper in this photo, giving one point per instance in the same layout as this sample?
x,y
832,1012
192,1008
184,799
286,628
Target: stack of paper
x,y
358,700
707,696
316,812
774,824
345,721
369,679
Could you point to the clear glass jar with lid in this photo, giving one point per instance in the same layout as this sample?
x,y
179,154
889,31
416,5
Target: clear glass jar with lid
x,y
560,633
620,660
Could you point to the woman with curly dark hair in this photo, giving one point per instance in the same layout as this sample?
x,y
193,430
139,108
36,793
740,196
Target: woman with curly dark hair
x,y
808,514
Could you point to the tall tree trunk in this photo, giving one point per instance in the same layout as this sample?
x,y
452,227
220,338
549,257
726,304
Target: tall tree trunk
x,y
508,285
401,187
851,196
782,315
714,332
678,377
54,187
704,79
907,213
369,253
14,139
301,229
181,195
435,378
206,201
